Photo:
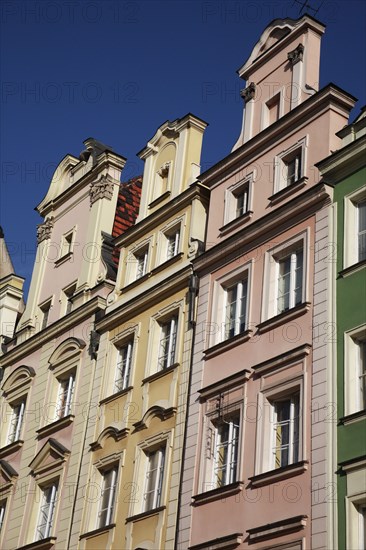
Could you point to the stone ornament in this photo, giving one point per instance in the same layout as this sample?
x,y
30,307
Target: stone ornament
x,y
296,55
101,189
44,230
248,93
164,169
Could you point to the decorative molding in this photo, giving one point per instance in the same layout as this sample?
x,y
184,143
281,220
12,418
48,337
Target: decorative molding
x,y
151,413
44,230
278,528
218,493
248,93
196,247
11,448
222,543
296,55
146,514
284,359
109,431
102,188
278,474
44,544
164,170
56,426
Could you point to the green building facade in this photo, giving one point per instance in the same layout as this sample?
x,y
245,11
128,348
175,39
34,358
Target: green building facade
x,y
346,171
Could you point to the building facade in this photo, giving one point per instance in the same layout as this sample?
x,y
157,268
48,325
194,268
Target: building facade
x,y
256,458
346,171
49,364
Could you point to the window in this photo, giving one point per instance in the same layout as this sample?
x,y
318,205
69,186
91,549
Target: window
x,y
16,422
65,395
356,509
45,311
167,344
361,510
46,512
289,166
2,514
68,294
226,451
271,110
172,243
154,479
67,244
286,425
124,361
289,281
361,236
238,199
141,263
285,275
108,497
236,308
355,370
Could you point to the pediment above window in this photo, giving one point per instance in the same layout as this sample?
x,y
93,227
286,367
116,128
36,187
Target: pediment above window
x,y
7,476
49,459
69,350
18,381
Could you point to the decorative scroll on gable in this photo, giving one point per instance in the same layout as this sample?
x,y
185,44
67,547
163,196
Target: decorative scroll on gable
x,y
102,188
44,230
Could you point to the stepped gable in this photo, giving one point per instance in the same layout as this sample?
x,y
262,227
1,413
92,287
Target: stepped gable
x,y
127,209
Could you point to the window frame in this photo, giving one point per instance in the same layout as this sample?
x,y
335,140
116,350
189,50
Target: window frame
x,y
112,500
67,243
351,227
282,161
219,302
157,485
354,342
268,103
231,197
65,395
168,356
129,335
45,309
125,374
272,259
54,487
16,436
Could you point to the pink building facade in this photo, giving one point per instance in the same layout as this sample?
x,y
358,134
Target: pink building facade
x,y
258,445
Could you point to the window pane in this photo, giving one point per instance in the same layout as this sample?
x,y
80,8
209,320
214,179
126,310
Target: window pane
x,y
361,208
108,497
167,343
298,277
123,367
226,451
46,512
154,479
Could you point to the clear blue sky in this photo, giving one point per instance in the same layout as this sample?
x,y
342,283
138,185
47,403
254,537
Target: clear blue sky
x,y
116,70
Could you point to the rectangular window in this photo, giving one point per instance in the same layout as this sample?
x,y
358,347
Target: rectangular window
x,y
154,479
123,367
108,497
167,343
242,201
65,395
361,509
16,422
286,425
2,514
226,451
172,244
235,309
362,374
293,169
290,281
46,512
361,236
141,259
69,293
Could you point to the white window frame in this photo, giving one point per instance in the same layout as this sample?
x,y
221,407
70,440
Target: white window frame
x,y
241,289
295,258
130,335
45,309
67,243
293,452
16,421
169,334
154,488
267,399
50,507
267,104
3,504
177,310
123,366
282,161
355,501
66,297
231,197
173,243
112,495
351,227
217,332
354,370
273,257
231,465
65,395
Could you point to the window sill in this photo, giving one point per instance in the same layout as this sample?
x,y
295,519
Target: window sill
x,y
219,493
279,474
228,344
136,282
276,529
11,448
44,544
159,374
115,395
55,426
160,199
287,191
351,418
284,317
98,531
352,269
64,259
167,263
146,514
233,224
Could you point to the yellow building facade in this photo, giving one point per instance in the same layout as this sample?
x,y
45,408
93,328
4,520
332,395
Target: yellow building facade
x,y
131,474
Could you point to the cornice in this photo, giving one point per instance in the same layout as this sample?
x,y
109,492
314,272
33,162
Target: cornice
x,y
123,310
291,122
268,226
166,212
343,162
53,331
